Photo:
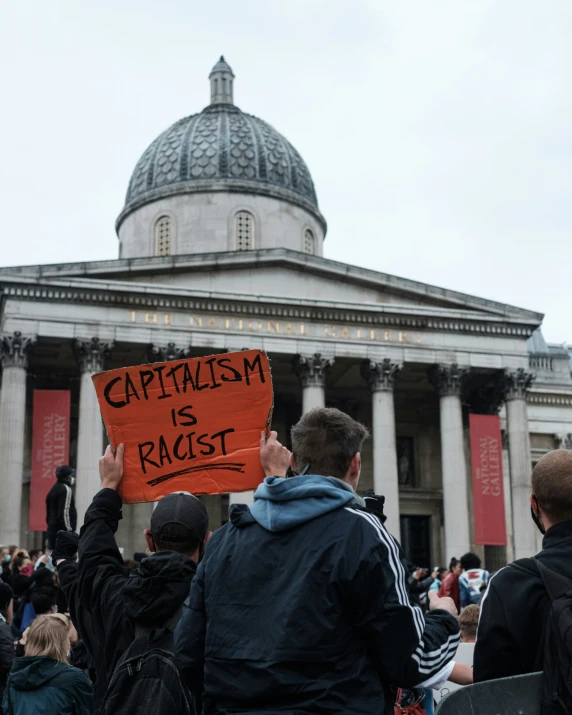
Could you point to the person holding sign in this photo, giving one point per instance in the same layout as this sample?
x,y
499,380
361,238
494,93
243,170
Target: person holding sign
x,y
111,604
300,603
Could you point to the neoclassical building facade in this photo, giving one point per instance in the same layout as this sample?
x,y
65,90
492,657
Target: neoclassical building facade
x,y
221,248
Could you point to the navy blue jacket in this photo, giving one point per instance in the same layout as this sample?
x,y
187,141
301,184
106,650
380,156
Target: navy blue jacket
x,y
300,606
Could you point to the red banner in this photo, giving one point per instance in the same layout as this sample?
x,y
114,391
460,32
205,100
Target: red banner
x,y
488,493
50,448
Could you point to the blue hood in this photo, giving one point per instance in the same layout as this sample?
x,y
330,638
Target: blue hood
x,y
281,504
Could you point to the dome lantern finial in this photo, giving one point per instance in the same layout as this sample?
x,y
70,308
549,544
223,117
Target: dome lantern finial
x,y
221,78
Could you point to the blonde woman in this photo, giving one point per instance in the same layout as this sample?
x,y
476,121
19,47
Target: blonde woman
x,y
42,682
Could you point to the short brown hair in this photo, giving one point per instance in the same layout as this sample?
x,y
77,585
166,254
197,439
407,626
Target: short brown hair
x,y
552,484
327,439
469,620
49,635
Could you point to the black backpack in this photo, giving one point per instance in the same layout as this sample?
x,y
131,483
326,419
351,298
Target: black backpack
x,y
555,652
146,679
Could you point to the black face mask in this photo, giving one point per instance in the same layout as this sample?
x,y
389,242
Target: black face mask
x,y
536,519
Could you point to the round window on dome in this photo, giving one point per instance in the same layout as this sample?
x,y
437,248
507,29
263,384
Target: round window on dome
x,y
244,231
163,236
309,243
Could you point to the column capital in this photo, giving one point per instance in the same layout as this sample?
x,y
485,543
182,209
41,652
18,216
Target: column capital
x,y
447,379
91,355
380,375
311,369
164,353
517,383
15,349
485,396
563,440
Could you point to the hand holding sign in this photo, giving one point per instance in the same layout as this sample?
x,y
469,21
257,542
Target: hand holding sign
x,y
274,457
191,425
111,467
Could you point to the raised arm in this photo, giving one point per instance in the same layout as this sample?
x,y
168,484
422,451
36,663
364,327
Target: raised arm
x,y
100,565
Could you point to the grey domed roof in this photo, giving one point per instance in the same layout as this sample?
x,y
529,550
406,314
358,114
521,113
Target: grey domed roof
x,y
221,149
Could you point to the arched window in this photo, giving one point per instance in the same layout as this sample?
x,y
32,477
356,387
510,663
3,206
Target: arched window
x,y
309,241
163,236
244,231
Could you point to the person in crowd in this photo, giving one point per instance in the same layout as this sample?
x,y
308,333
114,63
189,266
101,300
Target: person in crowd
x,y
6,636
107,601
35,554
300,602
516,604
61,514
450,586
42,579
42,601
468,622
42,682
472,580
22,570
419,583
440,573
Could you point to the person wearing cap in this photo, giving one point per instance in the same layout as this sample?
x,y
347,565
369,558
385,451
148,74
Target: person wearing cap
x,y
61,513
107,601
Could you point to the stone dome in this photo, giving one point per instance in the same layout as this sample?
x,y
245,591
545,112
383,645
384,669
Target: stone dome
x,y
221,149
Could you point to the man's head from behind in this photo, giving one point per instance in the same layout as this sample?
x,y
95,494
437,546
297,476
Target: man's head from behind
x,y
43,600
468,622
551,498
470,561
179,523
328,442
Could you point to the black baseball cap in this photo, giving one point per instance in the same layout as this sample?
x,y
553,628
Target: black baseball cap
x,y
64,471
180,508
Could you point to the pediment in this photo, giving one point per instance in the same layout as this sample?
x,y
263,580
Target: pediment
x,y
281,274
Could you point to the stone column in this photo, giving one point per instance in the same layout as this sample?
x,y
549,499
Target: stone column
x,y
517,384
448,381
507,499
380,377
241,497
311,371
14,351
91,356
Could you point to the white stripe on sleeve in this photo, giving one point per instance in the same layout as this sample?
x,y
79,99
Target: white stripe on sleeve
x,y
67,507
427,662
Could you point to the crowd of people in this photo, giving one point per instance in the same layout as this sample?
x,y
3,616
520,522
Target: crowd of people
x,y
301,603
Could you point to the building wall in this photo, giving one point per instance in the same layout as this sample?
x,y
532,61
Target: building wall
x,y
205,222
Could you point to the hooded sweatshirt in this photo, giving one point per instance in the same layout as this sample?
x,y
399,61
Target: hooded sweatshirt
x,y
40,685
108,601
281,504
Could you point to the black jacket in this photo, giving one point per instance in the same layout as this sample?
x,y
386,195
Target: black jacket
x,y
514,610
106,600
7,654
418,587
308,619
61,513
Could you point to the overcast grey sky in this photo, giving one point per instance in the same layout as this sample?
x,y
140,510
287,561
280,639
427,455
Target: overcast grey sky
x,y
438,133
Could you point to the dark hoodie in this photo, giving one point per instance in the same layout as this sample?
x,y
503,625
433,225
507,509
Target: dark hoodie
x,y
43,686
300,606
109,600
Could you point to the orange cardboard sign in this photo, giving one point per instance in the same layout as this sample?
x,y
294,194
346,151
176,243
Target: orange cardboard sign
x,y
188,425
